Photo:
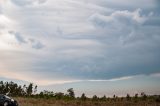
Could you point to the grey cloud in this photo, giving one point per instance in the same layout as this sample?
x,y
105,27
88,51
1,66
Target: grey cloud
x,y
153,21
124,26
118,18
125,4
22,2
98,20
27,2
42,1
19,38
90,43
36,44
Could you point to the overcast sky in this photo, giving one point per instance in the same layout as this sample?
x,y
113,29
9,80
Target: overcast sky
x,y
73,43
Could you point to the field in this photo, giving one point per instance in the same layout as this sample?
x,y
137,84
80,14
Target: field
x,y
53,102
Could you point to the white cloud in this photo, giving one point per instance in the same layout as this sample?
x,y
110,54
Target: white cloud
x,y
4,21
112,80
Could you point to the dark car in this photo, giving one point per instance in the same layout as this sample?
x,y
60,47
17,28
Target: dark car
x,y
7,101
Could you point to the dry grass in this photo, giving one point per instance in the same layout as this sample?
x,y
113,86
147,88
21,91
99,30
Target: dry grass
x,y
53,102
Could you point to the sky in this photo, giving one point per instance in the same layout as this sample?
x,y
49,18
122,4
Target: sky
x,y
95,46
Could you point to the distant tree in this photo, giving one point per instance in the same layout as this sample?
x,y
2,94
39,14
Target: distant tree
x,y
109,99
14,90
128,97
103,98
19,91
114,96
41,95
35,89
29,89
157,98
83,97
136,97
1,87
24,90
71,93
48,94
122,98
95,98
59,95
6,89
143,96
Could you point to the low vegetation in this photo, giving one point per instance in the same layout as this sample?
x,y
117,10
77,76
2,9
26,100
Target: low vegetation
x,y
88,102
28,96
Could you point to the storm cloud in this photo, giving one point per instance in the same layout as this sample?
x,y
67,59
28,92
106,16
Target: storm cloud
x,y
79,40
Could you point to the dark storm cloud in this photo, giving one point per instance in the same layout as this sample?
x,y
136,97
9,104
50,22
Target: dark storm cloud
x,y
93,39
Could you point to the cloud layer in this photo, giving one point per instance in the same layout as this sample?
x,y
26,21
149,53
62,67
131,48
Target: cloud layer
x,y
58,40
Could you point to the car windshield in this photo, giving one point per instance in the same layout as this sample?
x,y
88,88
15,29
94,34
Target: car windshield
x,y
7,97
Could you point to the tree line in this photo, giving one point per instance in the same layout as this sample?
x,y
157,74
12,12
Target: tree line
x,y
15,90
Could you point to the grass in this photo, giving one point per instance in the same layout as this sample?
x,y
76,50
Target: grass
x,y
53,102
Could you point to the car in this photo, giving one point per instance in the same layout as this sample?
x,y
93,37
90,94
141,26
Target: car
x,y
7,101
